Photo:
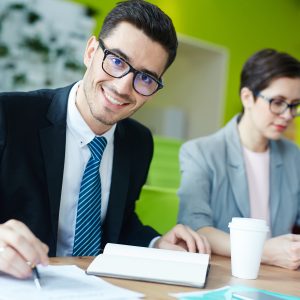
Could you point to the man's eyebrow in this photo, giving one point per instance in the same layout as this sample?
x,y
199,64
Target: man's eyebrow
x,y
120,53
153,74
127,59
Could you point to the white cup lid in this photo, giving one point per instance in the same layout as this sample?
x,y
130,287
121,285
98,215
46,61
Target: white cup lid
x,y
249,224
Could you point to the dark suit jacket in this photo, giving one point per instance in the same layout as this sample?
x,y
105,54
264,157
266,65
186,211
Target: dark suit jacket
x,y
32,152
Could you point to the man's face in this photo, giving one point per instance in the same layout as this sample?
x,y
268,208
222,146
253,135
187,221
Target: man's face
x,y
104,100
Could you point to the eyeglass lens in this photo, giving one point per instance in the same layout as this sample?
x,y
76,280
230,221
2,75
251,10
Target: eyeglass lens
x,y
280,106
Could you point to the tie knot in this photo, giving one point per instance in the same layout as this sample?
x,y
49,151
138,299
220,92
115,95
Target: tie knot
x,y
97,146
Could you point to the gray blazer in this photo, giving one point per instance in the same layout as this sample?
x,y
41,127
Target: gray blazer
x,y
214,185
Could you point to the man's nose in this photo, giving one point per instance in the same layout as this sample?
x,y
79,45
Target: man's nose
x,y
124,85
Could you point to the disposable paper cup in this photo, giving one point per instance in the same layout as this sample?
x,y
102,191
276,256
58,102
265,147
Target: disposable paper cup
x,y
247,238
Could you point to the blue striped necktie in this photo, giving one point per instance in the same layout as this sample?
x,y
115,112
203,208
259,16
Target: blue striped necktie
x,y
87,241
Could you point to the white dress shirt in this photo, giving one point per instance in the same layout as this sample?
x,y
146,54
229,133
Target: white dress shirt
x,y
77,154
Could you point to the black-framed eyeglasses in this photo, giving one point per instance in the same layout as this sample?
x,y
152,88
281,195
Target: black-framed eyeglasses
x,y
115,66
279,106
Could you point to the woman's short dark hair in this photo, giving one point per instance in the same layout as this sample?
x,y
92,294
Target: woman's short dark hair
x,y
147,17
265,66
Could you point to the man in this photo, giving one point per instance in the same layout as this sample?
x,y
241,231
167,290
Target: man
x,y
50,139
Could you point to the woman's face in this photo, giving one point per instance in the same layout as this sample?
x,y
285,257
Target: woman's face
x,y
265,123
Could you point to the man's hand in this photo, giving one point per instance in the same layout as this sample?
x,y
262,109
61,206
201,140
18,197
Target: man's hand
x,y
19,248
283,251
183,238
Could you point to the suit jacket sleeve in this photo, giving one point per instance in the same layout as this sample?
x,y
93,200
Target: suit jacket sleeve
x,y
195,188
31,123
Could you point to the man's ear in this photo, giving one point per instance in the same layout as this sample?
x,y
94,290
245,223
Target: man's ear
x,y
90,50
247,98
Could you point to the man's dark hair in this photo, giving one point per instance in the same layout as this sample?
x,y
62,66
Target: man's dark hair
x,y
146,17
265,66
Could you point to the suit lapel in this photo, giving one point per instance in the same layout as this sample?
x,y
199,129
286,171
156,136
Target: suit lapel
x,y
53,140
119,185
236,168
275,187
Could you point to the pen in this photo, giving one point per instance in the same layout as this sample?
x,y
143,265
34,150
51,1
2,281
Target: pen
x,y
36,277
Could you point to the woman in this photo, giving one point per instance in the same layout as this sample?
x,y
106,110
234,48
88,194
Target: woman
x,y
247,169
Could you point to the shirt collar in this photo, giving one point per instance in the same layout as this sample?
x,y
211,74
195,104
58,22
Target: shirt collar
x,y
76,124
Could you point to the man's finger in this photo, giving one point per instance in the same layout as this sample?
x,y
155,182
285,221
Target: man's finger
x,y
12,263
18,236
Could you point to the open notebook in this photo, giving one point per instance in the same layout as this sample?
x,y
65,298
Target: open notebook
x,y
151,264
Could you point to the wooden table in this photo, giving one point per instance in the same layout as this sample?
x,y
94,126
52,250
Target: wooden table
x,y
270,278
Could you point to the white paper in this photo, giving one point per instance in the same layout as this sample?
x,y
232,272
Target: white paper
x,y
63,283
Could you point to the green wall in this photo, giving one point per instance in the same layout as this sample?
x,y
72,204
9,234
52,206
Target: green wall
x,y
242,26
